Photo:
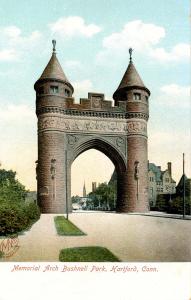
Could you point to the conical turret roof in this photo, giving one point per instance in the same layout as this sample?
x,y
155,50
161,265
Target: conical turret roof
x,y
130,79
54,70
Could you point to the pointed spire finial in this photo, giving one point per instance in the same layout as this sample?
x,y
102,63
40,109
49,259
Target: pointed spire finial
x,y
130,53
54,46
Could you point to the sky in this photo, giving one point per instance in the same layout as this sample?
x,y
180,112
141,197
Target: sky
x,y
93,38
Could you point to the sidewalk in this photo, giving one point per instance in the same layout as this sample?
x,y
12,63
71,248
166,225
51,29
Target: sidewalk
x,y
131,237
163,215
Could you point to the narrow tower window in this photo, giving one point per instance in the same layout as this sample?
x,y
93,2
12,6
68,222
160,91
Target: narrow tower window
x,y
136,96
54,89
67,93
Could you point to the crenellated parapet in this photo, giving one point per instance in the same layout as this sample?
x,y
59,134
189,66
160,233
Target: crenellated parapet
x,y
93,106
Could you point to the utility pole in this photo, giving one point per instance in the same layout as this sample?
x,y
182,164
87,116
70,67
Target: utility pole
x,y
183,188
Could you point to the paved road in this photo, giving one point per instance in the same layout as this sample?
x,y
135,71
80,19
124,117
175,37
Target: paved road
x,y
130,237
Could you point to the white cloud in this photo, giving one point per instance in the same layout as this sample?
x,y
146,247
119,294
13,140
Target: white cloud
x,y
144,38
11,32
177,53
15,43
12,36
16,114
135,34
175,95
81,88
72,64
74,26
8,55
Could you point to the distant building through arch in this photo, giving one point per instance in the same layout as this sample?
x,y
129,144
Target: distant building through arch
x,y
84,190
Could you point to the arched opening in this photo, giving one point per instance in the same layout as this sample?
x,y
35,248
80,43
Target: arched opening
x,y
91,184
93,180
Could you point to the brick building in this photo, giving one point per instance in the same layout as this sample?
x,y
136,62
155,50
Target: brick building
x,y
160,182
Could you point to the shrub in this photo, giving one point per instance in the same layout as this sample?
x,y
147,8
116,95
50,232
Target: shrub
x,y
162,203
176,206
32,211
15,218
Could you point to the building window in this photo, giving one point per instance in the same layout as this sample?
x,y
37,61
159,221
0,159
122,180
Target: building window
x,y
54,89
67,93
167,179
146,98
136,96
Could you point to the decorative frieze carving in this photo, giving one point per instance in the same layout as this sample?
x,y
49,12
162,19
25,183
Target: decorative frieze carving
x,y
92,113
92,125
72,139
134,127
120,142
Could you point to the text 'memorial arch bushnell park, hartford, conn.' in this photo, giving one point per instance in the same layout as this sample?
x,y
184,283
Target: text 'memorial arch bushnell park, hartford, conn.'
x,y
66,129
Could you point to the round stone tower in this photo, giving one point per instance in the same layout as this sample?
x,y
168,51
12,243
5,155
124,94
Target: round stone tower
x,y
134,183
52,90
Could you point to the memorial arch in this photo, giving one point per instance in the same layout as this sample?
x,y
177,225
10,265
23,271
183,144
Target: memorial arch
x,y
66,129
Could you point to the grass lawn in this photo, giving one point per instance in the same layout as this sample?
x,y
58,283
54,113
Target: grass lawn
x,y
87,254
65,227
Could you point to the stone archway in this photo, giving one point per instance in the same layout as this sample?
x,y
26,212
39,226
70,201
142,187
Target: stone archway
x,y
66,129
105,147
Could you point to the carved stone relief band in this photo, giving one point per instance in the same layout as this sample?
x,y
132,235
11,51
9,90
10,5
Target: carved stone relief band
x,y
92,125
99,114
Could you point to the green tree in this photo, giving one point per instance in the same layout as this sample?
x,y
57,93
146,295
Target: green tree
x,y
15,214
180,187
10,188
75,199
104,196
176,205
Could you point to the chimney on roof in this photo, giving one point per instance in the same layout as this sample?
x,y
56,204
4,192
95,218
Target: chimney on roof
x,y
169,166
